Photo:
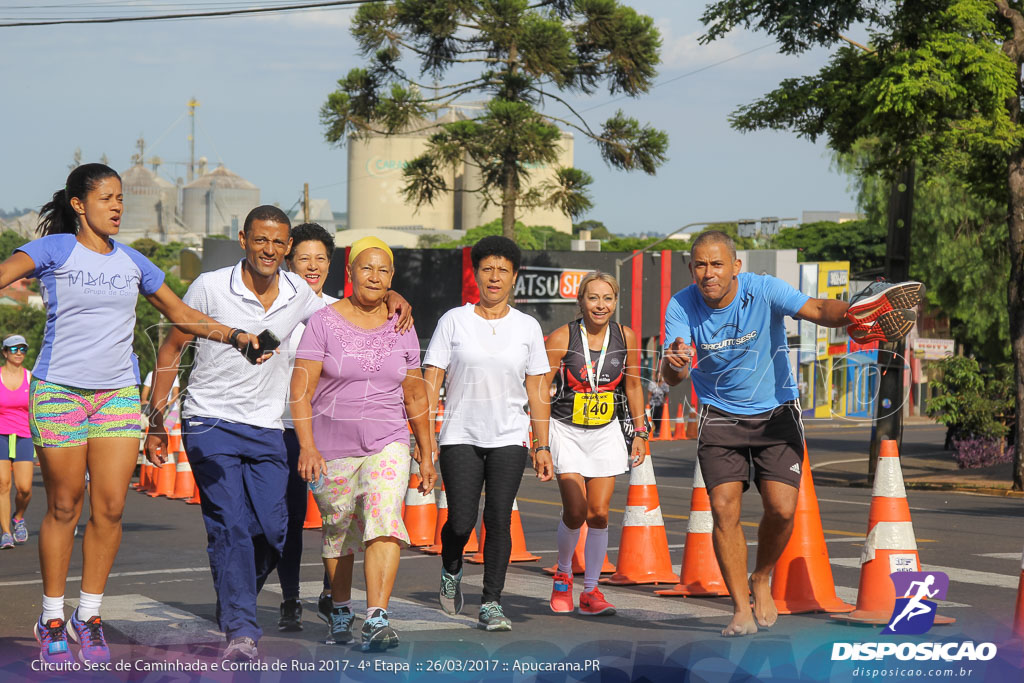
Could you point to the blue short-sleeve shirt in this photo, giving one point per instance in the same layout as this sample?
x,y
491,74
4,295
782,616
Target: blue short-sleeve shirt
x,y
90,311
742,353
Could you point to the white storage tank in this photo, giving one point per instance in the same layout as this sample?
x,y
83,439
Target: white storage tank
x,y
216,203
150,203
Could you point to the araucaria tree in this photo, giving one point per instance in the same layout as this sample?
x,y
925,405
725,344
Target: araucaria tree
x,y
939,84
522,58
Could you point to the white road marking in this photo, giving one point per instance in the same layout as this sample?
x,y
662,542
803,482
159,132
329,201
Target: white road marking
x,y
404,615
153,623
1001,556
629,604
838,462
849,594
955,574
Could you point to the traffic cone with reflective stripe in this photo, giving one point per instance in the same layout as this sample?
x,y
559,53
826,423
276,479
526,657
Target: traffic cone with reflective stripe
x,y
313,519
802,578
666,424
643,548
519,551
442,517
890,545
699,573
1018,617
579,562
680,433
420,514
184,482
165,475
439,418
145,475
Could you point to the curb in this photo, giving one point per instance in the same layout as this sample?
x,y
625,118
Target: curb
x,y
979,489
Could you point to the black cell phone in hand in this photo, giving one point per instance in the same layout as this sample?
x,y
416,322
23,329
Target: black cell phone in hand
x,y
267,341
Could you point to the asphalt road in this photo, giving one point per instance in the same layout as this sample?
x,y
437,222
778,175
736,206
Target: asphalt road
x,y
159,603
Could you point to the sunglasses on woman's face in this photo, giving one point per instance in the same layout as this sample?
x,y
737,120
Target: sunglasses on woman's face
x,y
21,348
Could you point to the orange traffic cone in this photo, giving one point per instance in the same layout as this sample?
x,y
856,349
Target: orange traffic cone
x,y
1018,617
313,519
802,578
579,562
442,517
439,418
666,424
145,472
420,514
643,550
691,422
890,545
184,482
519,551
699,573
680,433
165,475
473,545
194,500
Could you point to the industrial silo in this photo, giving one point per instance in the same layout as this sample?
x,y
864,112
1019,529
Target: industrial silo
x,y
474,214
216,203
144,200
375,182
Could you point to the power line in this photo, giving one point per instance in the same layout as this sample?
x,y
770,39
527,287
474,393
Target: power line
x,y
191,15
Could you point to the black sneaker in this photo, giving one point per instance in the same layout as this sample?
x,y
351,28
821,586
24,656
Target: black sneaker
x,y
339,630
450,595
324,607
493,619
377,633
291,616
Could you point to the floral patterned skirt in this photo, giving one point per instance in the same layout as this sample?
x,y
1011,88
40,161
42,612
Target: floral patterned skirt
x,y
361,500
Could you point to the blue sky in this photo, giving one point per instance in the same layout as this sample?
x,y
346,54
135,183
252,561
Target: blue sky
x,y
261,82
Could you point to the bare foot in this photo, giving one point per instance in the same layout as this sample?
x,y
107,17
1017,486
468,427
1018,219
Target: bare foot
x,y
765,610
741,625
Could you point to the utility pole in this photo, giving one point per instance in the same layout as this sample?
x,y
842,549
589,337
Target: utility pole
x,y
305,202
192,104
888,422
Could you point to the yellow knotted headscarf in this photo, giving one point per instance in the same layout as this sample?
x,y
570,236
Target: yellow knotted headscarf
x,y
364,243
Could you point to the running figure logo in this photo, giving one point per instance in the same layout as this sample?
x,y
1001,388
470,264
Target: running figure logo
x,y
914,612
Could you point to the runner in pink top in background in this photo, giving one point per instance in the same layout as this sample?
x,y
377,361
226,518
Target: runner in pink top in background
x,y
16,463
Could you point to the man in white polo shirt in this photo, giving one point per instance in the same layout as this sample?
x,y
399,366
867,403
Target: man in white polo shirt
x,y
231,424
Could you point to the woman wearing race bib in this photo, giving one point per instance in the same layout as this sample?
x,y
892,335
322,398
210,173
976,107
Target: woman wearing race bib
x,y
590,358
491,357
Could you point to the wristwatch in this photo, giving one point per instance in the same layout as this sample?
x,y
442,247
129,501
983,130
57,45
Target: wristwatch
x,y
642,434
538,449
233,337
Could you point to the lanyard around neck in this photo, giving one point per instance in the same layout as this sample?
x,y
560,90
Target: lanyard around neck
x,y
600,360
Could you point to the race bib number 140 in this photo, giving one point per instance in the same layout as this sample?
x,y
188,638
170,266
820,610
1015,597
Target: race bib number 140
x,y
593,410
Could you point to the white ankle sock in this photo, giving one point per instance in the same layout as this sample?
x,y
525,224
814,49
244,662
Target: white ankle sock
x,y
594,552
53,608
371,610
89,605
339,605
567,539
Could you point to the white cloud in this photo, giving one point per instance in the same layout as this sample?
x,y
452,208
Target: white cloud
x,y
685,52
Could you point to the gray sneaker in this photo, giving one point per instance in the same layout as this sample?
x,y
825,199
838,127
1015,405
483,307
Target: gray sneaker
x,y
339,630
450,595
493,619
377,633
241,650
6,541
20,530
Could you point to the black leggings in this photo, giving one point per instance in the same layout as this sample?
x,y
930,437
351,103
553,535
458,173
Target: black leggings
x,y
465,470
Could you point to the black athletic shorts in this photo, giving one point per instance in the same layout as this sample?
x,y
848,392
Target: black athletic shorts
x,y
728,444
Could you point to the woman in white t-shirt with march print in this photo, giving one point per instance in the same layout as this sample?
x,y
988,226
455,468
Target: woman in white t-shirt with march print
x,y
492,360
84,395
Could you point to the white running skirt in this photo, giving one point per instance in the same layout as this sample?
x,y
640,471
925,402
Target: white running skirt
x,y
599,452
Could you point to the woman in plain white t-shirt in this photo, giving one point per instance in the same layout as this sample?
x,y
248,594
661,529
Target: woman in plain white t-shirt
x,y
491,358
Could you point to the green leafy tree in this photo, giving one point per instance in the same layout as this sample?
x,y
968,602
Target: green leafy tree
x,y
528,56
862,243
29,322
528,237
9,241
939,87
598,230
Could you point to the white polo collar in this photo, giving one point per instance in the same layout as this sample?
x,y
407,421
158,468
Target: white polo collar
x,y
286,290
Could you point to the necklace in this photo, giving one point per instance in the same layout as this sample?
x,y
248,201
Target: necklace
x,y
494,326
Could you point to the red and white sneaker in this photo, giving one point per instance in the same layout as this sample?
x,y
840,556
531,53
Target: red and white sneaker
x,y
561,594
593,604
889,327
880,298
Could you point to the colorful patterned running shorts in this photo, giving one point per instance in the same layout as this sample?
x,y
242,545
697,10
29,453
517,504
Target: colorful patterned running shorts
x,y
361,500
62,417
